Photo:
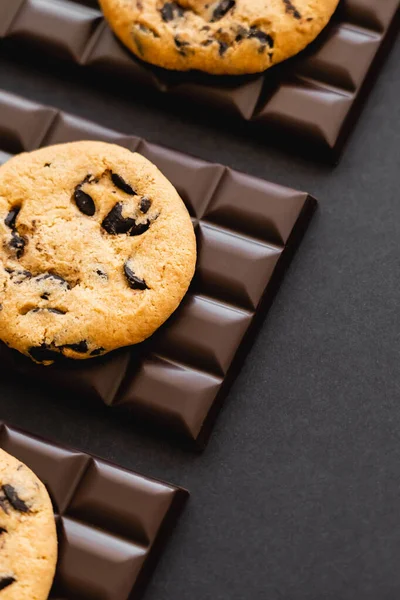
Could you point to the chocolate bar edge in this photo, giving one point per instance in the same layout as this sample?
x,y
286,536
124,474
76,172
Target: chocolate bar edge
x,y
298,232
51,442
366,88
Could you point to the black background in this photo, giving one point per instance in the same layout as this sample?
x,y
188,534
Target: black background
x,y
297,496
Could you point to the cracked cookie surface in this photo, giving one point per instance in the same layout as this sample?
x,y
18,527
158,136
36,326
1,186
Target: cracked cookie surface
x,y
97,250
28,539
219,37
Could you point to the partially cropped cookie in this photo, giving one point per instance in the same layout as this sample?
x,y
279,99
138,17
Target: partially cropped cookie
x,y
221,37
97,250
28,539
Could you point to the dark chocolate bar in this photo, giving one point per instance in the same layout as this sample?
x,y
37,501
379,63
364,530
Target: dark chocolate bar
x,y
309,102
247,230
112,523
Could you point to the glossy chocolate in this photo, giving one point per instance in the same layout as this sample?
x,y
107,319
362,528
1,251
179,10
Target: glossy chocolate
x,y
112,523
247,230
310,102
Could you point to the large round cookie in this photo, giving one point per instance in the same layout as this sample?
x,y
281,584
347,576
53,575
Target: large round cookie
x,y
220,37
28,539
97,250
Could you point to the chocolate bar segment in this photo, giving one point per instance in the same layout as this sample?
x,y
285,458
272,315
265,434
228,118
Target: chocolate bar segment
x,y
311,101
247,230
112,523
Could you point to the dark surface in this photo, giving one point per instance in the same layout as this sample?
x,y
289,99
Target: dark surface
x,y
111,523
297,494
316,97
247,232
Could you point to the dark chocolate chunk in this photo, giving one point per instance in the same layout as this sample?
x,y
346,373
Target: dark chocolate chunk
x,y
171,11
222,9
12,217
6,581
291,9
120,183
56,311
84,202
134,282
261,36
97,351
145,204
180,43
43,353
101,273
17,243
80,347
53,277
139,228
115,223
241,34
14,499
223,47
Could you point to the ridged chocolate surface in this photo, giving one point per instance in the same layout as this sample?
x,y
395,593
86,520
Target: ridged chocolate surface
x,y
247,230
111,522
313,99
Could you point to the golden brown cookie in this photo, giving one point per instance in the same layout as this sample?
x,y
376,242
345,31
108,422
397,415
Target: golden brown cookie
x,y
97,250
221,37
28,539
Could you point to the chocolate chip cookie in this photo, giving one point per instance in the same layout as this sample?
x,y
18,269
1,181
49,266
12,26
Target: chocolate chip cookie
x,y
217,36
97,250
28,539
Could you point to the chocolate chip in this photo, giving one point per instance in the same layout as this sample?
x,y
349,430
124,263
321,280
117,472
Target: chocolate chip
x,y
53,277
180,43
56,311
207,42
291,9
171,11
261,36
101,273
12,217
17,243
14,499
145,204
223,47
80,347
43,353
84,202
3,530
133,280
47,164
120,183
45,296
139,228
97,351
221,9
241,34
6,581
115,223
